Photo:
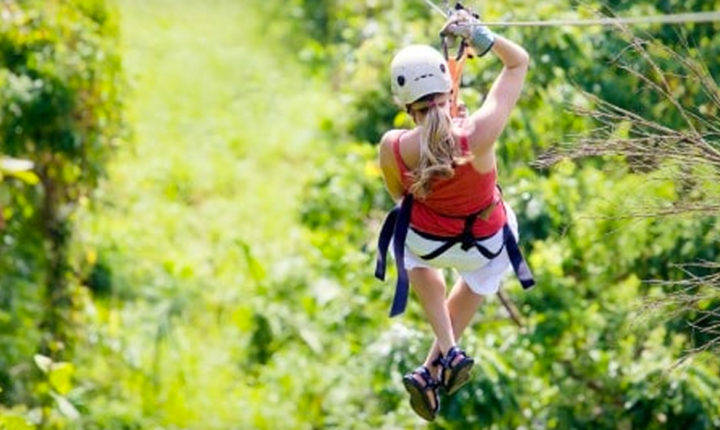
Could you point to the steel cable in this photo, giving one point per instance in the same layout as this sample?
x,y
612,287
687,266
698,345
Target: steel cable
x,y
675,18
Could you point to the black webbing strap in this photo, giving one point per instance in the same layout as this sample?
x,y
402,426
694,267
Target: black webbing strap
x,y
519,265
466,238
395,228
522,271
458,239
386,234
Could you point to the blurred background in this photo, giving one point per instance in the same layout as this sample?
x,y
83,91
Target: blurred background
x,y
189,202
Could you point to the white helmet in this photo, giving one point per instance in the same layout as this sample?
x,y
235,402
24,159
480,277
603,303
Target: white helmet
x,y
419,70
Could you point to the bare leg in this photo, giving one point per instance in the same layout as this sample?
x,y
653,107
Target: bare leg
x,y
462,305
429,285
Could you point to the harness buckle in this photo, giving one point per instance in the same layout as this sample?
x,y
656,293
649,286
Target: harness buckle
x,y
467,241
466,237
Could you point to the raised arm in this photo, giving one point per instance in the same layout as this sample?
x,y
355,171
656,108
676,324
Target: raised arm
x,y
488,122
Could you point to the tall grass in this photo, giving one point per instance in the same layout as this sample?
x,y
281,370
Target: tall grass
x,y
198,208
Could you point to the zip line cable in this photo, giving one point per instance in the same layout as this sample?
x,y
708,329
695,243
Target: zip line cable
x,y
436,8
675,18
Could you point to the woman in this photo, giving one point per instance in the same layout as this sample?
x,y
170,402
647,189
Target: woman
x,y
444,172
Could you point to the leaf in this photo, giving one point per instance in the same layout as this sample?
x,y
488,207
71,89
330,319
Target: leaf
x,y
20,169
311,339
61,377
13,422
257,271
29,178
43,363
15,165
65,407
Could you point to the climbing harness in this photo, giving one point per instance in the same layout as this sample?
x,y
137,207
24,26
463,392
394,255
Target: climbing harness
x,y
395,229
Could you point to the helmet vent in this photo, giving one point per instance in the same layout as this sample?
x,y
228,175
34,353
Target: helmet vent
x,y
442,68
401,80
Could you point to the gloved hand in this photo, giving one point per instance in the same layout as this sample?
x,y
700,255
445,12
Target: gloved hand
x,y
464,25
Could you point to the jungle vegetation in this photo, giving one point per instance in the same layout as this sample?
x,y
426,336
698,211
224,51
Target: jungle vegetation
x,y
189,203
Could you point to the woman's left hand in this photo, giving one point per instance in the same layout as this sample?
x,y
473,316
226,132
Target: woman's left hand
x,y
466,26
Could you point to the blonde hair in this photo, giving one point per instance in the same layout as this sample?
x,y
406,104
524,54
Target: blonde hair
x,y
438,154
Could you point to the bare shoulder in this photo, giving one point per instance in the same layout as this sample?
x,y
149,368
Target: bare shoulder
x,y
388,139
386,142
389,136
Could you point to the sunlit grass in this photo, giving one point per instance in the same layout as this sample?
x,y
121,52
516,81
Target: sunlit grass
x,y
223,140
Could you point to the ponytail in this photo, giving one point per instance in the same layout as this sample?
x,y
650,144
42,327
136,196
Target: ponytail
x,y
438,155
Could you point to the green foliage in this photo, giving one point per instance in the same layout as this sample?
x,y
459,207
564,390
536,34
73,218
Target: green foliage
x,y
13,421
99,280
19,169
60,88
343,193
222,276
580,362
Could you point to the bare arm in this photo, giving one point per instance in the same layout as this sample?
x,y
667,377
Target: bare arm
x,y
488,122
389,167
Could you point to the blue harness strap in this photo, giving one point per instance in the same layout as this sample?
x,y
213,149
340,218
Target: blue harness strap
x,y
395,227
522,271
386,234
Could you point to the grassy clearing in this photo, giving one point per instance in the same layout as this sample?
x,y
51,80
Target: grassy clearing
x,y
223,135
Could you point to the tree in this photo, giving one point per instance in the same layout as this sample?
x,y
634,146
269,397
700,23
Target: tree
x,y
60,108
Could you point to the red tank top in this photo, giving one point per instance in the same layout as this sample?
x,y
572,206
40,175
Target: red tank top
x,y
443,210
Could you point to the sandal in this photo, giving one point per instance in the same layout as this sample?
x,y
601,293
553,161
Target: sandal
x,y
419,400
456,366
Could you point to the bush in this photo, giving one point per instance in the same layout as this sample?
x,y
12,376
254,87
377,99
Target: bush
x,y
60,108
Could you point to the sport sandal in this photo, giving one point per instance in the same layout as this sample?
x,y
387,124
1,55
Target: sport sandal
x,y
419,400
456,366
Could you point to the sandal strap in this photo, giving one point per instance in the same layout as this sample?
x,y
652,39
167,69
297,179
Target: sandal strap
x,y
439,361
452,354
425,374
447,360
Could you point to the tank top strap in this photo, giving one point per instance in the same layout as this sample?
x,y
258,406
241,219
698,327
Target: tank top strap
x,y
464,145
398,158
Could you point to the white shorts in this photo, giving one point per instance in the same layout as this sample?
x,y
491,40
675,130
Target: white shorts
x,y
482,275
